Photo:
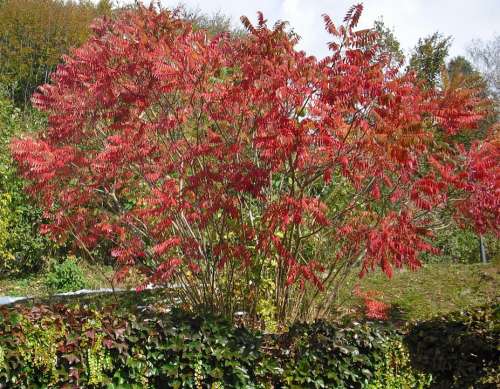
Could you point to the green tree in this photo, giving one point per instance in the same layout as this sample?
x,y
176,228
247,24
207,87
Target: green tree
x,y
460,65
34,34
388,41
428,58
214,24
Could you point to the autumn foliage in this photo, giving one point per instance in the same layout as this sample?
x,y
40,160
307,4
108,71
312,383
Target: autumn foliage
x,y
239,168
34,34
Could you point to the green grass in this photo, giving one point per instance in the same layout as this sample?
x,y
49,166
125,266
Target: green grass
x,y
433,289
34,285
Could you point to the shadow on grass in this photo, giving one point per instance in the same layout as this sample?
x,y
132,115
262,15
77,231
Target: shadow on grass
x,y
459,350
397,315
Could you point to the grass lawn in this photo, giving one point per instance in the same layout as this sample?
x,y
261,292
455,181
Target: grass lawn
x,y
34,285
433,289
416,295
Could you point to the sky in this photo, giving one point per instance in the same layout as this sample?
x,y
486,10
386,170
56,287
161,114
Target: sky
x,y
464,20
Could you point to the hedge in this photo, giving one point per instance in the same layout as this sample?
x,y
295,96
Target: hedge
x,y
77,346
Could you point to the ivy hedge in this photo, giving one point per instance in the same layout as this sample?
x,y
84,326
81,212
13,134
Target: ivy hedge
x,y
64,346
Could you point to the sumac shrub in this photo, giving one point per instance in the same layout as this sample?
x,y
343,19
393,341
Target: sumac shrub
x,y
460,350
219,163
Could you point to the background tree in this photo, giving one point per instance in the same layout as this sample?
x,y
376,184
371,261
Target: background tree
x,y
461,66
389,43
213,24
428,58
460,73
486,57
34,34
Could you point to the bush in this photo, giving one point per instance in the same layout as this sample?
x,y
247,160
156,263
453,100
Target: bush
x,y
45,346
459,349
239,173
78,346
65,276
23,250
323,355
462,245
396,372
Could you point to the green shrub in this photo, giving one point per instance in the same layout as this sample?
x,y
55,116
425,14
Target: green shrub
x,y
460,350
65,276
45,346
96,349
461,246
395,370
78,346
23,250
323,355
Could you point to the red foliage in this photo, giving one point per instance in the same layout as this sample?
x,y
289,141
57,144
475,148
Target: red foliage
x,y
188,152
374,309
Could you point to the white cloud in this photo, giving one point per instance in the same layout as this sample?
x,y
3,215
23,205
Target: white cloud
x,y
411,19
